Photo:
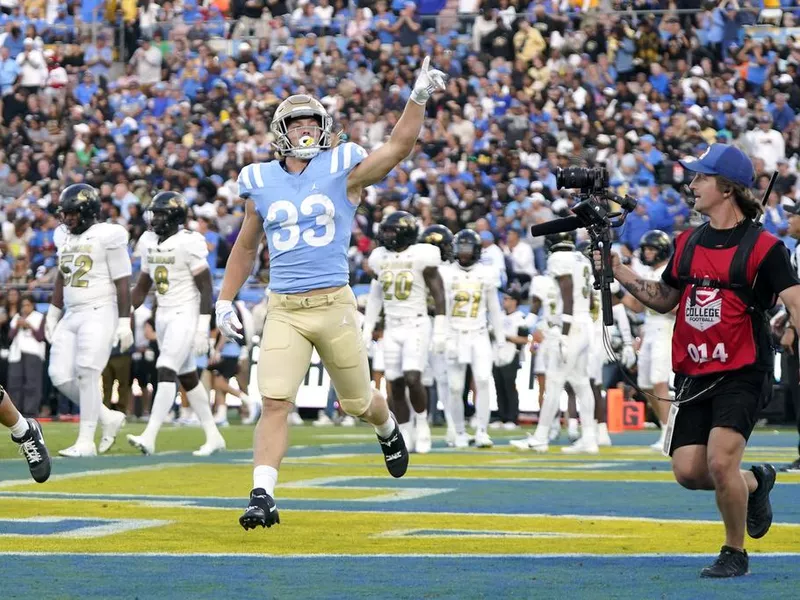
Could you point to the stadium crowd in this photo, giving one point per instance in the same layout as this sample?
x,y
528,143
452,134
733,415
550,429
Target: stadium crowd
x,y
138,98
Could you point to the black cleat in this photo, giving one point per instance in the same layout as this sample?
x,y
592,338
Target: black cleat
x,y
759,509
261,511
730,563
31,446
792,467
395,452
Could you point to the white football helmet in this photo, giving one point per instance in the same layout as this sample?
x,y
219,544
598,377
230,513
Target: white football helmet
x,y
295,107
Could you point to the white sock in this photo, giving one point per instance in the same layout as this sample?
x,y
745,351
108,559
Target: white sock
x,y
106,415
70,390
422,416
386,429
198,400
483,408
548,412
265,477
443,394
162,403
20,428
91,401
585,399
602,429
572,425
221,412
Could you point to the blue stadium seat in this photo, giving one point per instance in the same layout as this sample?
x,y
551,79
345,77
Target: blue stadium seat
x,y
251,295
42,307
361,289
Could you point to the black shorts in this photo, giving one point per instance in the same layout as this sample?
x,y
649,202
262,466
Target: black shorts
x,y
228,367
143,371
734,403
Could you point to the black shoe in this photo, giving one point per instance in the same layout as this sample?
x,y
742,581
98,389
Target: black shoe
x,y
730,563
759,509
793,467
261,511
31,446
395,452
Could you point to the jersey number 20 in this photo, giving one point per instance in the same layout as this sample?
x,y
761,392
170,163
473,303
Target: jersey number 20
x,y
398,286
291,229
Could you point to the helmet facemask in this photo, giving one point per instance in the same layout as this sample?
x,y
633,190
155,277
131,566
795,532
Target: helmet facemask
x,y
318,139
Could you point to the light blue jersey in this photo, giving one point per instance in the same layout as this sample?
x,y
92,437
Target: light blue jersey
x,y
307,218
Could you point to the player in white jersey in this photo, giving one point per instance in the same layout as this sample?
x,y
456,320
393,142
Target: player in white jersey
x,y
175,259
655,353
92,292
546,329
436,372
472,306
567,360
405,272
598,354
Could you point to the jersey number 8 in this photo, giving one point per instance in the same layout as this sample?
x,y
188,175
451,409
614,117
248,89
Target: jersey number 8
x,y
292,229
83,263
161,277
402,284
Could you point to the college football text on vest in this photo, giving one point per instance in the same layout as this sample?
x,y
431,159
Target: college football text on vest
x,y
714,329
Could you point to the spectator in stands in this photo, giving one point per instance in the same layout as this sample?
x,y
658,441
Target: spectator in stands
x,y
26,357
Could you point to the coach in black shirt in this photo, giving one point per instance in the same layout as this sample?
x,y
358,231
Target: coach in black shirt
x,y
723,277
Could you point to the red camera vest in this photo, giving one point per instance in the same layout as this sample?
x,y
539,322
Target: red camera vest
x,y
714,329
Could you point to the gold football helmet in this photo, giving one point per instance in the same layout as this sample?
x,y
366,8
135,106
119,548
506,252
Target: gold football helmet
x,y
295,107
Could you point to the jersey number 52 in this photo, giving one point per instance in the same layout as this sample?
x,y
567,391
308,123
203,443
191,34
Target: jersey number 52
x,y
75,278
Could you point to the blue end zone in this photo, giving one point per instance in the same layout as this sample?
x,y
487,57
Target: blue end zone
x,y
197,577
518,497
49,526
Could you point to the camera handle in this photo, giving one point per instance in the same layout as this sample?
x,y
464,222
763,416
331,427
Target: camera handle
x,y
601,240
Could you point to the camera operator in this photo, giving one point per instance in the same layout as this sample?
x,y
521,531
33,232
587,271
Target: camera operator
x,y
721,352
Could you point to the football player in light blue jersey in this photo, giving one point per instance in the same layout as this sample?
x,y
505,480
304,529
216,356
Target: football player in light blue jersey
x,y
305,203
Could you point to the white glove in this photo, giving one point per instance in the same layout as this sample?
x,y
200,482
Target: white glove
x,y
227,321
201,335
439,337
428,81
563,347
366,337
124,334
51,320
628,356
496,354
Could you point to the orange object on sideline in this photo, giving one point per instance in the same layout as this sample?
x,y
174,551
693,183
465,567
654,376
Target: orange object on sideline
x,y
614,401
633,415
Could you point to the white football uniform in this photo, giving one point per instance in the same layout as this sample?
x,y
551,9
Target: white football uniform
x,y
597,350
472,306
406,335
655,354
172,265
544,288
90,263
572,365
577,266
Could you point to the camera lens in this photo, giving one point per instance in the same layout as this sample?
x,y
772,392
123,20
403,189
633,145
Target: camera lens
x,y
583,179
